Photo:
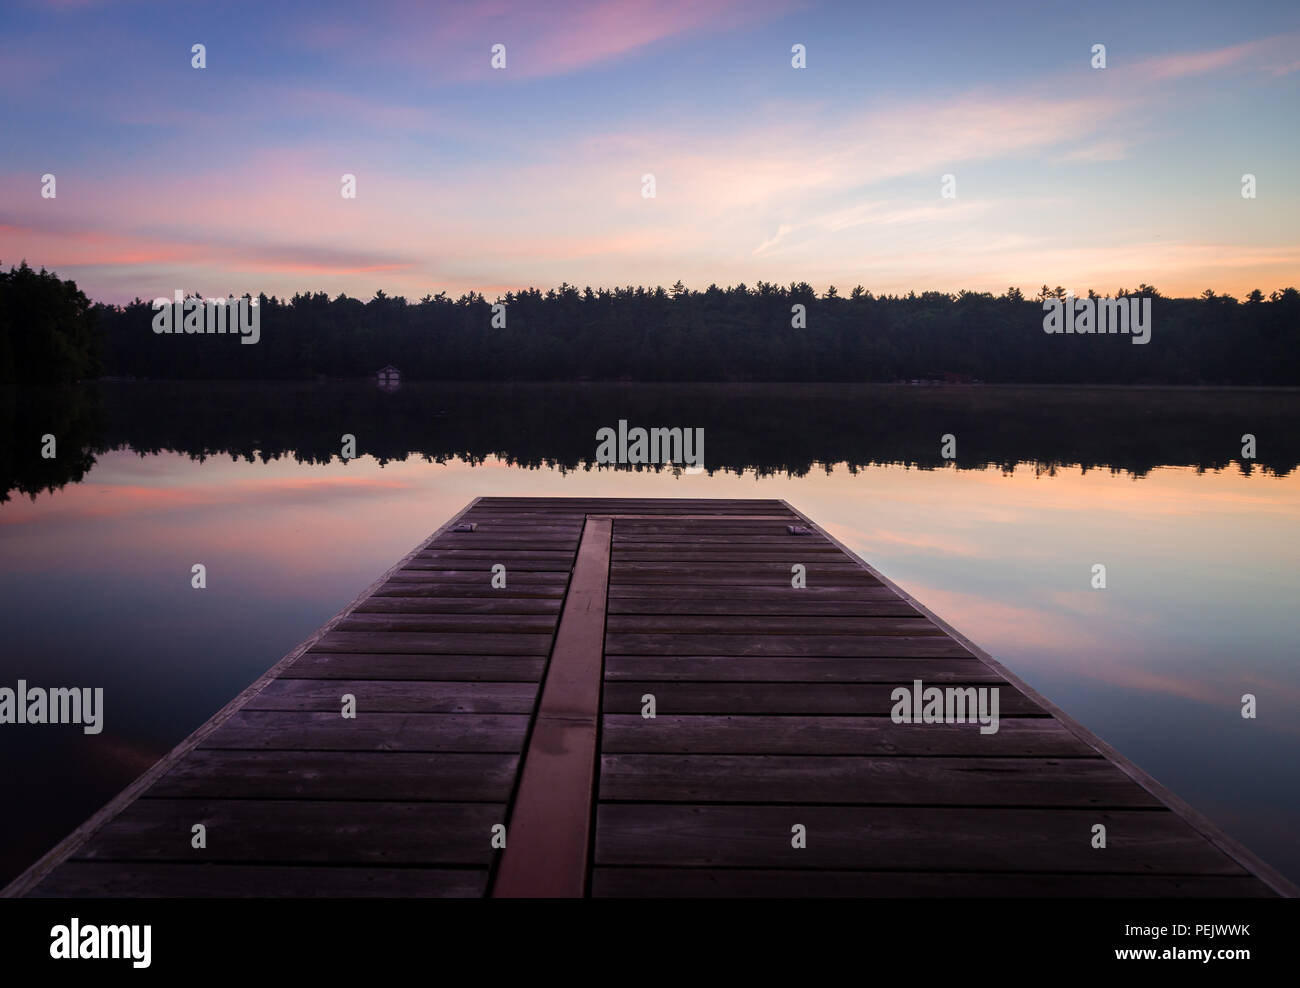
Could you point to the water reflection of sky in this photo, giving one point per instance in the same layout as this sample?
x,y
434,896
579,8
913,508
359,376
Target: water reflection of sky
x,y
1200,604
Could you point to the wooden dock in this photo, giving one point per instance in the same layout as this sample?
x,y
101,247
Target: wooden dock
x,y
518,715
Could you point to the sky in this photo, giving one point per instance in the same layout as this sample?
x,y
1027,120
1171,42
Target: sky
x,y
228,178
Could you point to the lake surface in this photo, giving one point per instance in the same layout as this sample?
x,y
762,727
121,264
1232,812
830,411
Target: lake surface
x,y
1199,546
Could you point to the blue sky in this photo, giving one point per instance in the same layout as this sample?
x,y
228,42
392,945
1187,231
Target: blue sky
x,y
227,178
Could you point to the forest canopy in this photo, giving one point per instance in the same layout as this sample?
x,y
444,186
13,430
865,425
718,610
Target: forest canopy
x,y
49,332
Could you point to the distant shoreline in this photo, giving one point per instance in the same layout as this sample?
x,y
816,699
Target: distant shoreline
x,y
50,332
981,385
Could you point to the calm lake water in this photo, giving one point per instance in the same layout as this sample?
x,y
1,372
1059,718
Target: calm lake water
x,y
1199,545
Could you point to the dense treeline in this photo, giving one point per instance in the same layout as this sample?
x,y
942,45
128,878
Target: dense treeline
x,y
48,333
736,334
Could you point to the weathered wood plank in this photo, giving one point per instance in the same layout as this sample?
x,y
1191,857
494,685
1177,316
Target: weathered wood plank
x,y
849,780
739,573
807,735
731,554
631,882
677,624
680,527
783,608
667,503
916,646
716,556
318,832
624,505
447,643
666,542
544,522
520,542
797,669
172,880
562,558
513,560
481,777
779,593
416,666
460,605
414,586
371,732
482,577
839,699
879,837
467,623
734,577
388,696
563,533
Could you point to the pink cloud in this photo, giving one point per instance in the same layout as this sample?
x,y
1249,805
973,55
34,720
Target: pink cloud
x,y
1176,66
71,248
608,28
540,40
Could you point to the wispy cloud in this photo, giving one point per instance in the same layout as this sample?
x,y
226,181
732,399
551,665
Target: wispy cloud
x,y
72,248
781,232
540,41
1265,54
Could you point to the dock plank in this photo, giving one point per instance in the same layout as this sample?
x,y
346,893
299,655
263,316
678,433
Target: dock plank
x,y
460,605
315,831
690,624
923,838
796,669
174,880
482,777
447,643
850,780
456,623
309,730
806,735
936,645
416,666
387,696
838,698
720,883
739,607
